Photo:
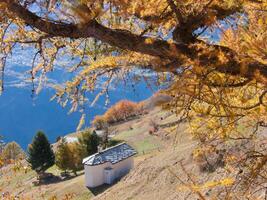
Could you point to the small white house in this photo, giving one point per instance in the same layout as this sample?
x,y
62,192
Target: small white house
x,y
71,139
108,165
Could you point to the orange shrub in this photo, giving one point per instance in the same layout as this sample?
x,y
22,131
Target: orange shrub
x,y
121,111
99,122
141,108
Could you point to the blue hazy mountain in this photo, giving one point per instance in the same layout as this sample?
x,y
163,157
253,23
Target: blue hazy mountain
x,y
21,115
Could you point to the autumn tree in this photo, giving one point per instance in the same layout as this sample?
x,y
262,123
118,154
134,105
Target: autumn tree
x,y
76,157
40,153
2,145
12,151
62,155
210,55
69,156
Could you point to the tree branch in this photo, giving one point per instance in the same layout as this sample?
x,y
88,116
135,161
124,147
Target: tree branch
x,y
240,84
159,48
176,11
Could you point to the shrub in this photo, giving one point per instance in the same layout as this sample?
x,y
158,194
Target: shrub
x,y
151,131
122,111
113,142
155,126
209,158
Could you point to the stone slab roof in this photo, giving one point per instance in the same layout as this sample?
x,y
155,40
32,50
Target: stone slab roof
x,y
113,155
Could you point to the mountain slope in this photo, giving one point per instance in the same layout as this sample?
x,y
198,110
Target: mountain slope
x,y
135,132
153,178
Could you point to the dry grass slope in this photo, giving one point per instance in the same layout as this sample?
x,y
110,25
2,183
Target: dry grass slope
x,y
150,179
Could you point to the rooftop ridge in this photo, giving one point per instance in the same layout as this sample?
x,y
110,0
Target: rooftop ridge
x,y
112,154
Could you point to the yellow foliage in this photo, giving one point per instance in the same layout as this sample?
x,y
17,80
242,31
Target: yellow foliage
x,y
149,41
210,184
81,122
121,111
218,85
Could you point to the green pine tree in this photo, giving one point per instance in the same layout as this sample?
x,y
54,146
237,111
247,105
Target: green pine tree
x,y
94,142
90,142
40,153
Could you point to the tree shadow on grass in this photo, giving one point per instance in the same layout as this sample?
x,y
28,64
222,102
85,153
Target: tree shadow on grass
x,y
51,179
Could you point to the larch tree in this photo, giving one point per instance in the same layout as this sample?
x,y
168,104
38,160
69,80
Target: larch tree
x,y
210,55
2,145
69,156
62,155
12,151
76,156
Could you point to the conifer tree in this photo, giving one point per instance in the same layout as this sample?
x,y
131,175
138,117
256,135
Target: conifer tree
x,y
95,140
90,142
41,155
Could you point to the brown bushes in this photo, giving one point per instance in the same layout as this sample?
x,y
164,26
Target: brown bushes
x,y
209,158
99,122
121,111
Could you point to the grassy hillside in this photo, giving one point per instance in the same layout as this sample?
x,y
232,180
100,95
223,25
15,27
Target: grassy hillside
x,y
21,183
155,177
136,132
